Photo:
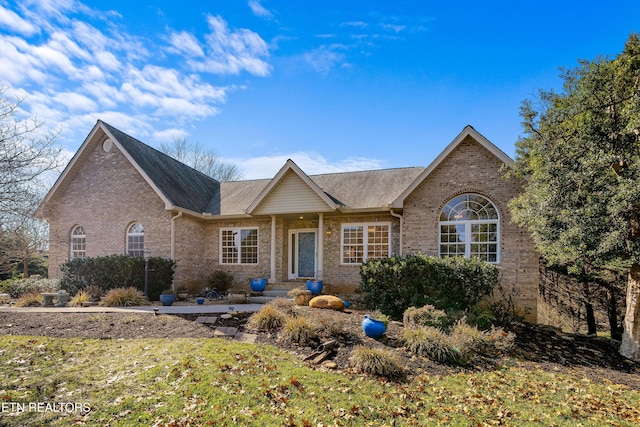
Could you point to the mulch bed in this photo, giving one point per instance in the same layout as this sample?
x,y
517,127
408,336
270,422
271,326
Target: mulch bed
x,y
537,347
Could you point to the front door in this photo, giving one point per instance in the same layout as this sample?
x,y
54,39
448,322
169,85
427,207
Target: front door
x,y
302,253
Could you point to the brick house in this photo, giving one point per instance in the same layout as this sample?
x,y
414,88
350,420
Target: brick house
x,y
118,195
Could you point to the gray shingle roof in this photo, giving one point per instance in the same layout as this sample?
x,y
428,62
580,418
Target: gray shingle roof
x,y
187,188
353,190
182,185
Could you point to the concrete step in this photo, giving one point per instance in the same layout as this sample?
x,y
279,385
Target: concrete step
x,y
276,293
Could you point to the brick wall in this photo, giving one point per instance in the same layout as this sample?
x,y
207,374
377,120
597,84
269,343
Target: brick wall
x,y
105,194
470,168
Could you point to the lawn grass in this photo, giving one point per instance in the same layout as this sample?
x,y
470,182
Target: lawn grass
x,y
221,383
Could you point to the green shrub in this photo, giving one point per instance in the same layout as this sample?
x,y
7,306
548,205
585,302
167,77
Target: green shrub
x,y
376,361
30,299
18,287
268,318
220,280
117,271
299,330
123,297
394,284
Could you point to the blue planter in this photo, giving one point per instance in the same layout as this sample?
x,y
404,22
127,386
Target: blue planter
x,y
315,286
373,328
167,299
258,285
200,300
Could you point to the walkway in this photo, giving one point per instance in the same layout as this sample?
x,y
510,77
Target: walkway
x,y
171,309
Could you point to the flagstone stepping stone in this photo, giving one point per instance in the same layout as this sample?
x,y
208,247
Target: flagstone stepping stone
x,y
207,319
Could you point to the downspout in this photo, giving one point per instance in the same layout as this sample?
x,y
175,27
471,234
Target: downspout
x,y
320,245
272,278
173,235
401,230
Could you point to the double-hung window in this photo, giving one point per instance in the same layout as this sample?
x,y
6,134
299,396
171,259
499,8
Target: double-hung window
x,y
239,246
361,242
470,227
135,240
78,242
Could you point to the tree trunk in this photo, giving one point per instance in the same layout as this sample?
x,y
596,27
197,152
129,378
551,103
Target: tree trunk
x,y
630,347
25,265
591,319
612,312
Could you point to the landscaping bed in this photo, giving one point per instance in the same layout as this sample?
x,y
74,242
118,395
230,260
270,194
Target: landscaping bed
x,y
536,347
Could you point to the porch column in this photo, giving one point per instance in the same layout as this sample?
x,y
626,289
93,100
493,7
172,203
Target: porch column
x,y
272,275
320,244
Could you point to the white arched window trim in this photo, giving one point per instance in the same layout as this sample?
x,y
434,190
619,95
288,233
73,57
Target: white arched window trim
x,y
469,226
78,247
135,239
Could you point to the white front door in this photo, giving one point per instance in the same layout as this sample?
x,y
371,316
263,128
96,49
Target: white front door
x,y
302,253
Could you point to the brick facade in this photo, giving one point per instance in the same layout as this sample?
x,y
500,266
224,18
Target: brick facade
x,y
105,192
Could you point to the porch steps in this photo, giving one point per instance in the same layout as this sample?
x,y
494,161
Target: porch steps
x,y
267,296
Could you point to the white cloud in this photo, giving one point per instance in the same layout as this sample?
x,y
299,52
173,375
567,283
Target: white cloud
x,y
185,43
357,24
310,162
13,21
82,67
168,135
232,51
325,58
393,27
74,102
259,10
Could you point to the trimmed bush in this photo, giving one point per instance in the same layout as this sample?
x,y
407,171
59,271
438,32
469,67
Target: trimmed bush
x,y
376,361
123,297
117,271
394,284
220,280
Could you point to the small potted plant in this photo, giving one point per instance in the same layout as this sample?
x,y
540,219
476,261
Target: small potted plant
x,y
167,297
182,293
300,296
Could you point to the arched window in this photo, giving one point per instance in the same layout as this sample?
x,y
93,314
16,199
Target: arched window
x,y
135,240
470,227
78,242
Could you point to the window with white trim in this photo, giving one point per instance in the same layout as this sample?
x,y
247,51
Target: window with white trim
x,y
470,227
135,240
361,242
239,246
78,242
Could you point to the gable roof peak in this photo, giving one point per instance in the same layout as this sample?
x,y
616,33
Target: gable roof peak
x,y
467,131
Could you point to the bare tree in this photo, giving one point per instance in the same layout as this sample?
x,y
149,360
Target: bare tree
x,y
27,152
201,159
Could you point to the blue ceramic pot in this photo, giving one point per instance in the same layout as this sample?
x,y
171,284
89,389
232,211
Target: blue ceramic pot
x,y
373,328
167,299
258,285
315,286
200,301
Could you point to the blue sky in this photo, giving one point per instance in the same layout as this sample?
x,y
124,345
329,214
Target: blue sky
x,y
333,85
